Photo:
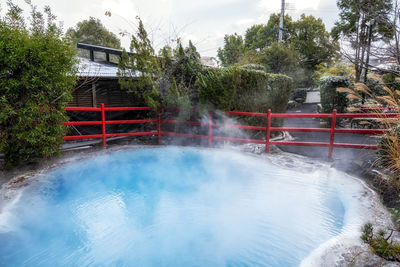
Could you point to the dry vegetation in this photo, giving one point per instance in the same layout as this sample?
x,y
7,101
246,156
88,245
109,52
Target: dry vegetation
x,y
389,145
388,153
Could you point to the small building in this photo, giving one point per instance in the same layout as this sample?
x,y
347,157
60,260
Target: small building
x,y
210,62
98,79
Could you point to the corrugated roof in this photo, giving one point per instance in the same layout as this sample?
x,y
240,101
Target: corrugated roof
x,y
88,68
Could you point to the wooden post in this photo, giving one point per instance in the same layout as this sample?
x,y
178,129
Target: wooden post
x,y
103,125
332,137
268,131
210,130
94,98
91,55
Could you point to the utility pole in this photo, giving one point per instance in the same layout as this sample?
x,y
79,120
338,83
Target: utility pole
x,y
281,21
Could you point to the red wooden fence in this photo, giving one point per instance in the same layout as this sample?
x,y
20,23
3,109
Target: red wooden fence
x,y
210,124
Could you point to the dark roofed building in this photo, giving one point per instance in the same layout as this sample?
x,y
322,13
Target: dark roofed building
x,y
98,79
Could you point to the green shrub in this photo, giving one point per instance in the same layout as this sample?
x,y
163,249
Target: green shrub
x,y
391,81
376,87
330,98
236,88
336,69
299,95
37,77
253,67
381,243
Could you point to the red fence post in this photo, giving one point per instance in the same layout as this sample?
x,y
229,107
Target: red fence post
x,y
103,124
268,131
159,125
332,137
210,130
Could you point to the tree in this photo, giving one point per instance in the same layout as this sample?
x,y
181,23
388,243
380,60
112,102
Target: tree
x,y
392,49
159,78
186,65
233,50
181,68
92,31
356,17
251,38
37,78
313,42
306,45
280,58
260,36
140,72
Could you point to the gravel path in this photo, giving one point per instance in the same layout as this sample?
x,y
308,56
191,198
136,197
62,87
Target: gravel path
x,y
313,97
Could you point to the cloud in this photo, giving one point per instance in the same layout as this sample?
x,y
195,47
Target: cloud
x,y
245,22
205,22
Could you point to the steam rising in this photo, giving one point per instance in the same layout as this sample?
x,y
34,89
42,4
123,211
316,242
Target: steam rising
x,y
177,207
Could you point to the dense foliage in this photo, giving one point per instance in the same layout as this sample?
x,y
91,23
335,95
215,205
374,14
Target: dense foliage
x,y
182,65
376,86
260,36
140,72
92,31
306,45
233,50
313,42
335,69
280,58
236,88
176,78
330,98
166,79
254,67
37,77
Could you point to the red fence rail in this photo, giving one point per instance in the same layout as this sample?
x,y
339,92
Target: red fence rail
x,y
211,125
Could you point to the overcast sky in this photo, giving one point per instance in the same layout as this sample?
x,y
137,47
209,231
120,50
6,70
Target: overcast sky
x,y
205,22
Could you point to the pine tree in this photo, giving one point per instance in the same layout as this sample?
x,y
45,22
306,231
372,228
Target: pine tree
x,y
141,72
158,80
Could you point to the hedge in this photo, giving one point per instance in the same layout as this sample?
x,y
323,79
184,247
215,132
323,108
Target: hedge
x,y
37,78
376,87
330,98
236,88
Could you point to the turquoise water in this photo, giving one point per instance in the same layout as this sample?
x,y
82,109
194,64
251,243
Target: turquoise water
x,y
171,207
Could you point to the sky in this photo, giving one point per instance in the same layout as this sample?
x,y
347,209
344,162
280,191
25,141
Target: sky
x,y
205,22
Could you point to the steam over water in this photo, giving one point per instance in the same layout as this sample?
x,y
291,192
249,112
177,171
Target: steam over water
x,y
172,207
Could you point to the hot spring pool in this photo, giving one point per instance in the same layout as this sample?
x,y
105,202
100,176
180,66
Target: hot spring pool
x,y
175,207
